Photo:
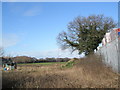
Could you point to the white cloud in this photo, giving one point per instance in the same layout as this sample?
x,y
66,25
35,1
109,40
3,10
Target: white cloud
x,y
33,11
0,39
0,42
9,40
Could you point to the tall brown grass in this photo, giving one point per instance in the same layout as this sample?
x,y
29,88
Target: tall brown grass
x,y
87,72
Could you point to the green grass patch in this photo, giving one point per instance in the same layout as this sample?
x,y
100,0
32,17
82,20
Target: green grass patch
x,y
68,64
46,63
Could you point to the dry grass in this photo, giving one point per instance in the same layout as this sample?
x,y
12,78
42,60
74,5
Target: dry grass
x,y
86,73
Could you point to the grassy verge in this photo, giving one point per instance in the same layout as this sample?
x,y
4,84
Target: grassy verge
x,y
46,63
69,64
88,72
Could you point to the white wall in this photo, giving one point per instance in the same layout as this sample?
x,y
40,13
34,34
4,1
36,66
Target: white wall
x,y
111,54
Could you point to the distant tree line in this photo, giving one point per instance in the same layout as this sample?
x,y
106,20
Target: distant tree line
x,y
26,59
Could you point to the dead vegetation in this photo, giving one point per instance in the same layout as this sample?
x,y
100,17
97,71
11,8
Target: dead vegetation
x,y
87,72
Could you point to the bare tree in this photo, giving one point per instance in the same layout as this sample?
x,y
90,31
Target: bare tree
x,y
85,33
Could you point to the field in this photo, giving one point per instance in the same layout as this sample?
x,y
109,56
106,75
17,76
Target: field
x,y
85,73
46,63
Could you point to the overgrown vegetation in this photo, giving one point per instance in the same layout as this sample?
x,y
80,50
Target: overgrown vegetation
x,y
87,72
43,63
70,63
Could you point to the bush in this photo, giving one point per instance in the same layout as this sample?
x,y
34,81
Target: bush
x,y
69,63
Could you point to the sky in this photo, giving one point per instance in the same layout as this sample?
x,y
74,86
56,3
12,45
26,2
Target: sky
x,y
60,0
31,28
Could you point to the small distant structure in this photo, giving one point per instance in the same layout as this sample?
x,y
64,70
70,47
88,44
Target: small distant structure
x,y
118,32
115,33
110,36
9,65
